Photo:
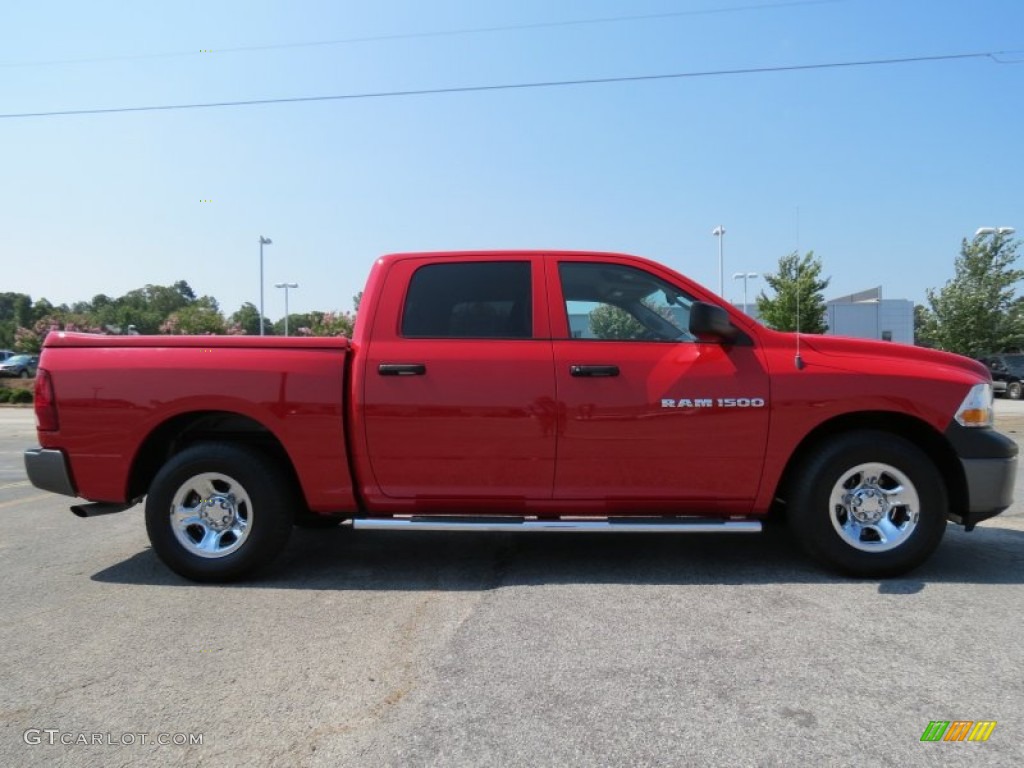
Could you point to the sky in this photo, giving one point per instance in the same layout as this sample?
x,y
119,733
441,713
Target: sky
x,y
881,170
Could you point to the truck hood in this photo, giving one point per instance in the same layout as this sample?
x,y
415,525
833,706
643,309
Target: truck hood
x,y
839,347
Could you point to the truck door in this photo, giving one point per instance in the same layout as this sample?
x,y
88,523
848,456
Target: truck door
x,y
655,420
459,386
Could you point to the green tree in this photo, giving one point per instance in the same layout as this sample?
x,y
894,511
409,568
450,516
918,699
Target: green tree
x,y
146,308
798,278
15,311
7,331
16,307
976,313
30,340
922,321
160,299
247,318
201,316
27,341
610,322
42,308
184,290
331,324
296,320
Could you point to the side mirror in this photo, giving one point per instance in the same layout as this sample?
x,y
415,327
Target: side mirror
x,y
711,323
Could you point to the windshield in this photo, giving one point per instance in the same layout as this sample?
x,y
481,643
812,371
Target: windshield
x,y
1014,363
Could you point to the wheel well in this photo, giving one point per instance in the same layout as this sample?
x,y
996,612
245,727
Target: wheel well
x,y
186,429
909,428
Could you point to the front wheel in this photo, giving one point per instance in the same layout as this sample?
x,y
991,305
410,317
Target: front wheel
x,y
868,504
1014,390
217,511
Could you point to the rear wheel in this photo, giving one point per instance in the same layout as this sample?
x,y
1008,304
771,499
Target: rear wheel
x,y
868,504
217,511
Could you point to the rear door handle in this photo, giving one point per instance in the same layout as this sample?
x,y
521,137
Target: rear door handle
x,y
593,370
401,369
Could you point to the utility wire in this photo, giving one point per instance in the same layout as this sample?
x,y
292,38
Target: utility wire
x,y
429,34
990,55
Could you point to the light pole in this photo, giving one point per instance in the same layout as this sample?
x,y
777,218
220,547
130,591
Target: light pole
x,y
745,276
994,231
719,232
286,286
263,241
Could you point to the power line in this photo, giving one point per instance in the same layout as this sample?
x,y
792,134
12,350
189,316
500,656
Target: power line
x,y
990,55
429,34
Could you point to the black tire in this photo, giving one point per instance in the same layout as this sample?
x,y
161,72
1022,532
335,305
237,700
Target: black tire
x,y
244,525
1014,390
23,375
836,536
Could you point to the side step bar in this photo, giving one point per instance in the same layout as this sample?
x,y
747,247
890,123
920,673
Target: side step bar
x,y
517,525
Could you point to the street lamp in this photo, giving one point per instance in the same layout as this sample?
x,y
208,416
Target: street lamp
x,y
994,231
719,232
263,241
286,286
745,276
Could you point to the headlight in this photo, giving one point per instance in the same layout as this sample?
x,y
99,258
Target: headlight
x,y
976,409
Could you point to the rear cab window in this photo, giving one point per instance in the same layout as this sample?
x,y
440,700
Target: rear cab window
x,y
469,300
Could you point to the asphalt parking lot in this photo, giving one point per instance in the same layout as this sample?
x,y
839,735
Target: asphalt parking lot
x,y
387,649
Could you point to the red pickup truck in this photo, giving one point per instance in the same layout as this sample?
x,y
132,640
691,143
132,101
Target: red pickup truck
x,y
523,391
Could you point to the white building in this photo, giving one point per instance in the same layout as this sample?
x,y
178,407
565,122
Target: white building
x,y
866,315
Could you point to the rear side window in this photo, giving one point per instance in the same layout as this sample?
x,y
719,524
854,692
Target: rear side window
x,y
470,300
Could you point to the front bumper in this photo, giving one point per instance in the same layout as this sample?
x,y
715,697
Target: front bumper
x,y
48,469
989,462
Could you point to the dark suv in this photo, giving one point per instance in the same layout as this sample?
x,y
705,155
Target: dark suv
x,y
1007,374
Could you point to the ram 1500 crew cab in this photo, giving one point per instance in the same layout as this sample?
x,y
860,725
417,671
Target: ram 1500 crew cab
x,y
523,391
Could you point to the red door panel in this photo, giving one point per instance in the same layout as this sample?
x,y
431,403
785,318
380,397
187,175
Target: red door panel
x,y
621,441
668,423
477,423
464,418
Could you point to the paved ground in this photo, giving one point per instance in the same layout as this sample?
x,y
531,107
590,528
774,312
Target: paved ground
x,y
434,649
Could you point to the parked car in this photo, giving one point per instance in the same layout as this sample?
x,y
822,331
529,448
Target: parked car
x,y
1007,374
523,391
19,366
6,353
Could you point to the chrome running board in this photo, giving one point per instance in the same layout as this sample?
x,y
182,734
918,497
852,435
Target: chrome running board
x,y
518,525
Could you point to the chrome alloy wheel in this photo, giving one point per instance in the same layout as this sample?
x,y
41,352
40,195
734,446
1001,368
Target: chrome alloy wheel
x,y
874,507
211,515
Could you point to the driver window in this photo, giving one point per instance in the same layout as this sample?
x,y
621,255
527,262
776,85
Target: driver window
x,y
610,302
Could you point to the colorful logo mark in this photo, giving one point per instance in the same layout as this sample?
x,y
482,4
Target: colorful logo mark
x,y
958,730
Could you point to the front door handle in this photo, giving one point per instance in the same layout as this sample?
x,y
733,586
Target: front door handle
x,y
401,369
593,370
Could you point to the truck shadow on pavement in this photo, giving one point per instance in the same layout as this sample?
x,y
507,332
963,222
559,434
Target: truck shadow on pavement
x,y
342,559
